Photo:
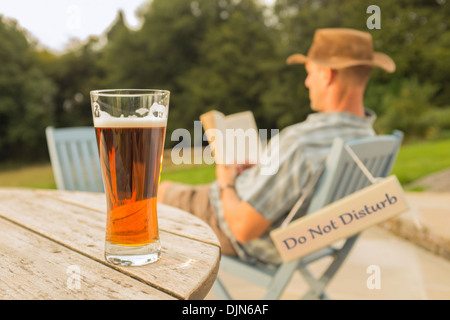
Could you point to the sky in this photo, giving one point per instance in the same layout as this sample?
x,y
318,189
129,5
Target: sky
x,y
55,22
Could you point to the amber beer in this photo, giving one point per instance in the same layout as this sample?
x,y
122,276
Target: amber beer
x,y
130,126
131,164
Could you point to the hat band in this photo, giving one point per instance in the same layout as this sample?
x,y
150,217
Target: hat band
x,y
379,60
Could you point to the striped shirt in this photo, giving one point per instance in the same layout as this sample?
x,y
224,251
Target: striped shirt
x,y
303,148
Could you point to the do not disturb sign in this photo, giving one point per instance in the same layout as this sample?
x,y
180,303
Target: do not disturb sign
x,y
341,219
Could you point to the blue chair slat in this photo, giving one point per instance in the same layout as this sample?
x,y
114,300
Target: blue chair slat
x,y
74,157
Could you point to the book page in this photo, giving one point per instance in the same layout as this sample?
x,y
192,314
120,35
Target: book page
x,y
213,120
241,120
233,138
242,141
213,123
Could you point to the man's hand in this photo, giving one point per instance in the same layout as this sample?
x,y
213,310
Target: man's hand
x,y
244,221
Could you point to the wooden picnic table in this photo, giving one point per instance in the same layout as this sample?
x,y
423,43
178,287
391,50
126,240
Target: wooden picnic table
x,y
52,247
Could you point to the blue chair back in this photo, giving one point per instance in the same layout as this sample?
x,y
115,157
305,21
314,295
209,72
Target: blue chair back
x,y
74,158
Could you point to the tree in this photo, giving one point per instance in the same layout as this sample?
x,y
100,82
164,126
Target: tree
x,y
75,72
121,58
26,96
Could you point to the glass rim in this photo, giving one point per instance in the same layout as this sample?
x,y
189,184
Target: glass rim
x,y
128,92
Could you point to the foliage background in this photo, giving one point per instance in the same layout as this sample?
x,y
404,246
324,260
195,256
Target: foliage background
x,y
228,55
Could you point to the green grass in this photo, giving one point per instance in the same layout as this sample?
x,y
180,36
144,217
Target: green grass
x,y
414,161
41,176
196,174
31,176
417,160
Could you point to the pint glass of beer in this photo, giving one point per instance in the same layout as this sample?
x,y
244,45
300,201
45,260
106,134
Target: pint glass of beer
x,y
131,127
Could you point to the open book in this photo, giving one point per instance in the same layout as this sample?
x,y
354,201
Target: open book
x,y
233,138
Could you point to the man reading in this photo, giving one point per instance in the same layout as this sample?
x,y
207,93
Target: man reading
x,y
242,206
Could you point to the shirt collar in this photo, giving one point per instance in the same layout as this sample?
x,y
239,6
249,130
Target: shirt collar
x,y
369,118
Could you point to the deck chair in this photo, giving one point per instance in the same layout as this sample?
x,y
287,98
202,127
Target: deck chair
x,y
74,158
340,178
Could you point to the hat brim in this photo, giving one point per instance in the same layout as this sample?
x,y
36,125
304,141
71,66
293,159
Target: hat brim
x,y
379,59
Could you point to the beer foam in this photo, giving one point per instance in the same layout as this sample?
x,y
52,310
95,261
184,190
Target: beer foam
x,y
106,121
155,117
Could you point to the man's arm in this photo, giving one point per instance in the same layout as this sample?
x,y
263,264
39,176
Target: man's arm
x,y
244,221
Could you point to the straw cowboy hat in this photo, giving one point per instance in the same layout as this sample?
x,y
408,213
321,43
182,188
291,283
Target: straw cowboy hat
x,y
343,48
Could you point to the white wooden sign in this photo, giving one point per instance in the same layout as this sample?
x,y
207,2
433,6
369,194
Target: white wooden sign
x,y
341,219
